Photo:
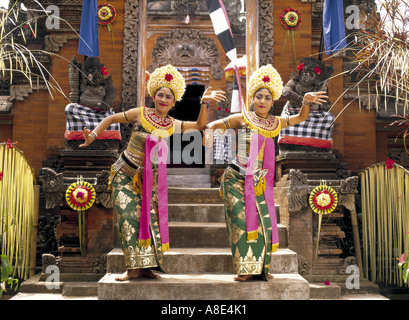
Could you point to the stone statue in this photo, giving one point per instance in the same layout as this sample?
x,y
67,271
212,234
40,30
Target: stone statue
x,y
92,95
89,87
314,134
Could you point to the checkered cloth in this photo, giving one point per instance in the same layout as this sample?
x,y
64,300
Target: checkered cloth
x,y
79,116
316,131
221,146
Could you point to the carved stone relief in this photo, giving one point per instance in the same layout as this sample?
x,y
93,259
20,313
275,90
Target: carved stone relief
x,y
186,47
298,190
54,186
266,32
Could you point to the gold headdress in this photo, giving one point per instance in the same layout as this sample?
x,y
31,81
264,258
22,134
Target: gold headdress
x,y
167,76
265,77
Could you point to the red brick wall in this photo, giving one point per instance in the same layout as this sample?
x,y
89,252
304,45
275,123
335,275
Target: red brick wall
x,y
354,133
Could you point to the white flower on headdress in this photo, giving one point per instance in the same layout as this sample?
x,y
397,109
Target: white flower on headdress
x,y
167,76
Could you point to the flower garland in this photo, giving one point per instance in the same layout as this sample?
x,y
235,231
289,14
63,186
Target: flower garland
x,y
80,196
323,200
291,20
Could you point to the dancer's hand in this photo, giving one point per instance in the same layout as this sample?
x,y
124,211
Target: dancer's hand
x,y
317,97
217,95
88,137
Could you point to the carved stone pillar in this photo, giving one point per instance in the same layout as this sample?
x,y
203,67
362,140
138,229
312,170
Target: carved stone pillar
x,y
130,55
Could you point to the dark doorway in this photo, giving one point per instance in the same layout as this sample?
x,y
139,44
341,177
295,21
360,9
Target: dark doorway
x,y
187,109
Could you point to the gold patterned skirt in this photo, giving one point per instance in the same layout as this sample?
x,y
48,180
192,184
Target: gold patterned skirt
x,y
249,257
127,207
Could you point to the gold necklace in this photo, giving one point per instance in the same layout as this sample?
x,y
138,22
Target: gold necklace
x,y
156,125
268,127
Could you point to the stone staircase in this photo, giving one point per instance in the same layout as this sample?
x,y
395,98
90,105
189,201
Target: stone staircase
x,y
199,263
198,266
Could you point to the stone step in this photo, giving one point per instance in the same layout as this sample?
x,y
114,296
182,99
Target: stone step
x,y
80,289
211,212
204,287
188,171
193,195
206,260
336,289
197,181
192,177
322,291
193,184
69,284
198,235
206,234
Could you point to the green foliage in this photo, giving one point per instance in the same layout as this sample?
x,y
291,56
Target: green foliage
x,y
6,272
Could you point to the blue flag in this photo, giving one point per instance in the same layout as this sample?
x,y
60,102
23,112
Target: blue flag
x,y
88,43
333,26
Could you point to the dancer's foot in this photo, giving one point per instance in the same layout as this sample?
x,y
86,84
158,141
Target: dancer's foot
x,y
243,277
129,274
270,276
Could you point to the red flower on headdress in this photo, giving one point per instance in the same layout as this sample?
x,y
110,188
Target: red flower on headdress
x,y
389,164
318,70
266,79
104,71
300,66
1,175
168,77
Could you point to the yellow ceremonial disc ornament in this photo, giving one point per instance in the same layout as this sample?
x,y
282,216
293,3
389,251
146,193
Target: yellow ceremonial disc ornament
x,y
323,200
80,196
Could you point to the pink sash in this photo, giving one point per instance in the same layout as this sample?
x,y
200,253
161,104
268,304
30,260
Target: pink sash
x,y
249,196
144,234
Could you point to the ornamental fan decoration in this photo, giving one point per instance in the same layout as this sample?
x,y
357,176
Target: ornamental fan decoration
x,y
291,20
80,196
323,200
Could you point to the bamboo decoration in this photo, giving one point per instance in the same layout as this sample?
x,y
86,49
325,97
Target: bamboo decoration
x,y
385,221
16,208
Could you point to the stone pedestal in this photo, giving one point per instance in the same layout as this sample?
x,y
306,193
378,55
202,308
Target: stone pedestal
x,y
292,190
91,164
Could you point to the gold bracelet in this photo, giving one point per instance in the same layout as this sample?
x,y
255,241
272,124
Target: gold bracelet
x,y
93,135
287,120
226,123
125,117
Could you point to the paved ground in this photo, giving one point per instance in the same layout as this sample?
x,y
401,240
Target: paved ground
x,y
45,296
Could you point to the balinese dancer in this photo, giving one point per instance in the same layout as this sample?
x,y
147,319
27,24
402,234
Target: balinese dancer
x,y
138,177
248,182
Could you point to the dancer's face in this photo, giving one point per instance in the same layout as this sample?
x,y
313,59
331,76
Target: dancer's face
x,y
164,100
263,101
